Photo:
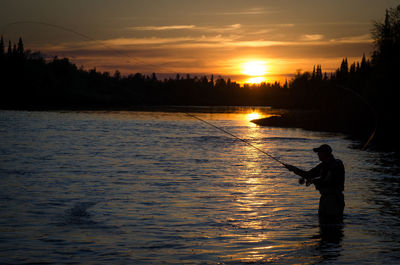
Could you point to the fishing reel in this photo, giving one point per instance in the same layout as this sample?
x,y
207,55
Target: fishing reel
x,y
303,180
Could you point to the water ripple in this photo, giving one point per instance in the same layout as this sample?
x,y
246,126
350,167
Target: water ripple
x,y
160,188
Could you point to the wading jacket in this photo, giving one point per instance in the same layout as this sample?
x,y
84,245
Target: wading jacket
x,y
328,176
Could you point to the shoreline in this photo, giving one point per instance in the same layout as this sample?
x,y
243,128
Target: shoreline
x,y
155,108
313,120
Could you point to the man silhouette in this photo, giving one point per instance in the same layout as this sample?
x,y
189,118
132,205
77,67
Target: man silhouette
x,y
328,177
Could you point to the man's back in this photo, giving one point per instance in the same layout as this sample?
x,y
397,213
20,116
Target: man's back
x,y
329,176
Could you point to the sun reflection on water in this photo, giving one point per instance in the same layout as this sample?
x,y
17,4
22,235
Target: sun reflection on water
x,y
253,116
253,206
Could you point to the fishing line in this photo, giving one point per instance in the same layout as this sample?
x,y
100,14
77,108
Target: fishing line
x,y
236,137
372,111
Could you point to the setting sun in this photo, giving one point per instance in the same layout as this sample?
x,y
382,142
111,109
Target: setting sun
x,y
255,68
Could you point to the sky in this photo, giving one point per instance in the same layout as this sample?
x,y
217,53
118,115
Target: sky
x,y
237,39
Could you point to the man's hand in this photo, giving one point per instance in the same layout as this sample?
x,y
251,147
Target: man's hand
x,y
309,182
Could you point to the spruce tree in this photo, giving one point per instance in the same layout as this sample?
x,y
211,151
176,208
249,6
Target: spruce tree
x,y
20,49
1,46
9,50
14,49
344,67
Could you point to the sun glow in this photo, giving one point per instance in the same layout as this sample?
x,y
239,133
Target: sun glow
x,y
256,80
255,68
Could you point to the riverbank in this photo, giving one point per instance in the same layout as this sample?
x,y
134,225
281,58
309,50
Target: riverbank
x,y
353,125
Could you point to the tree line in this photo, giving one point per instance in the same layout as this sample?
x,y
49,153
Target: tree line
x,y
31,81
354,92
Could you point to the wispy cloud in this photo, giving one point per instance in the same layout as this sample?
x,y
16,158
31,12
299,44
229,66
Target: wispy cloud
x,y
159,28
200,53
144,41
188,27
214,41
366,38
286,25
250,11
312,37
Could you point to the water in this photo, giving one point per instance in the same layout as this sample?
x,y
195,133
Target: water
x,y
163,188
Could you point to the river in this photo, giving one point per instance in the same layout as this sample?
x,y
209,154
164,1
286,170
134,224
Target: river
x,y
154,187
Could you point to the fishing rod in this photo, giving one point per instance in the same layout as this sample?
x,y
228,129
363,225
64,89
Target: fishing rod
x,y
236,137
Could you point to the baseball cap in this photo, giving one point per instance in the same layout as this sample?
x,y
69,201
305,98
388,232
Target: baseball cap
x,y
323,148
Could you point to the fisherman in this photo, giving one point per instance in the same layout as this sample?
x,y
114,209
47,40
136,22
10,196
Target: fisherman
x,y
328,178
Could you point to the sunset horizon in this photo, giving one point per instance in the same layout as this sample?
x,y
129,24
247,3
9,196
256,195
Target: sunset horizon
x,y
194,39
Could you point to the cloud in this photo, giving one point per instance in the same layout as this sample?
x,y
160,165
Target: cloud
x,y
366,38
212,41
312,37
216,41
287,25
250,11
144,41
159,28
188,27
235,26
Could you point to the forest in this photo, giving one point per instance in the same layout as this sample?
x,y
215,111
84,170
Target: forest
x,y
355,99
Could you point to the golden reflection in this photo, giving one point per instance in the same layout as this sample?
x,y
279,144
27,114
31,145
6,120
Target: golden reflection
x,y
253,116
254,198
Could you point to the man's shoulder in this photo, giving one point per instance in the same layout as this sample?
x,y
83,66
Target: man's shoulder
x,y
338,164
338,161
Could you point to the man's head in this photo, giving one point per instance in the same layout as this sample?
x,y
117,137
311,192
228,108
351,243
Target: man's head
x,y
324,152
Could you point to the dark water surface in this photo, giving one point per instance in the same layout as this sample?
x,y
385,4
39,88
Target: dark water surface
x,y
164,188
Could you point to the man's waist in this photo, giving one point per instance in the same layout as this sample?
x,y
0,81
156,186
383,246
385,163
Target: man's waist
x,y
327,191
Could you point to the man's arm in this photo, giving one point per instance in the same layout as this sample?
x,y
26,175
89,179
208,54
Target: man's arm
x,y
298,171
309,176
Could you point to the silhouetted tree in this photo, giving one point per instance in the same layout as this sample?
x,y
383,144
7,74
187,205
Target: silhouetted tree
x,y
20,49
14,50
1,46
9,50
386,55
117,75
344,67
363,66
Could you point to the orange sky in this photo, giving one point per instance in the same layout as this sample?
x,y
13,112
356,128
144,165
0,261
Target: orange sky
x,y
197,37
